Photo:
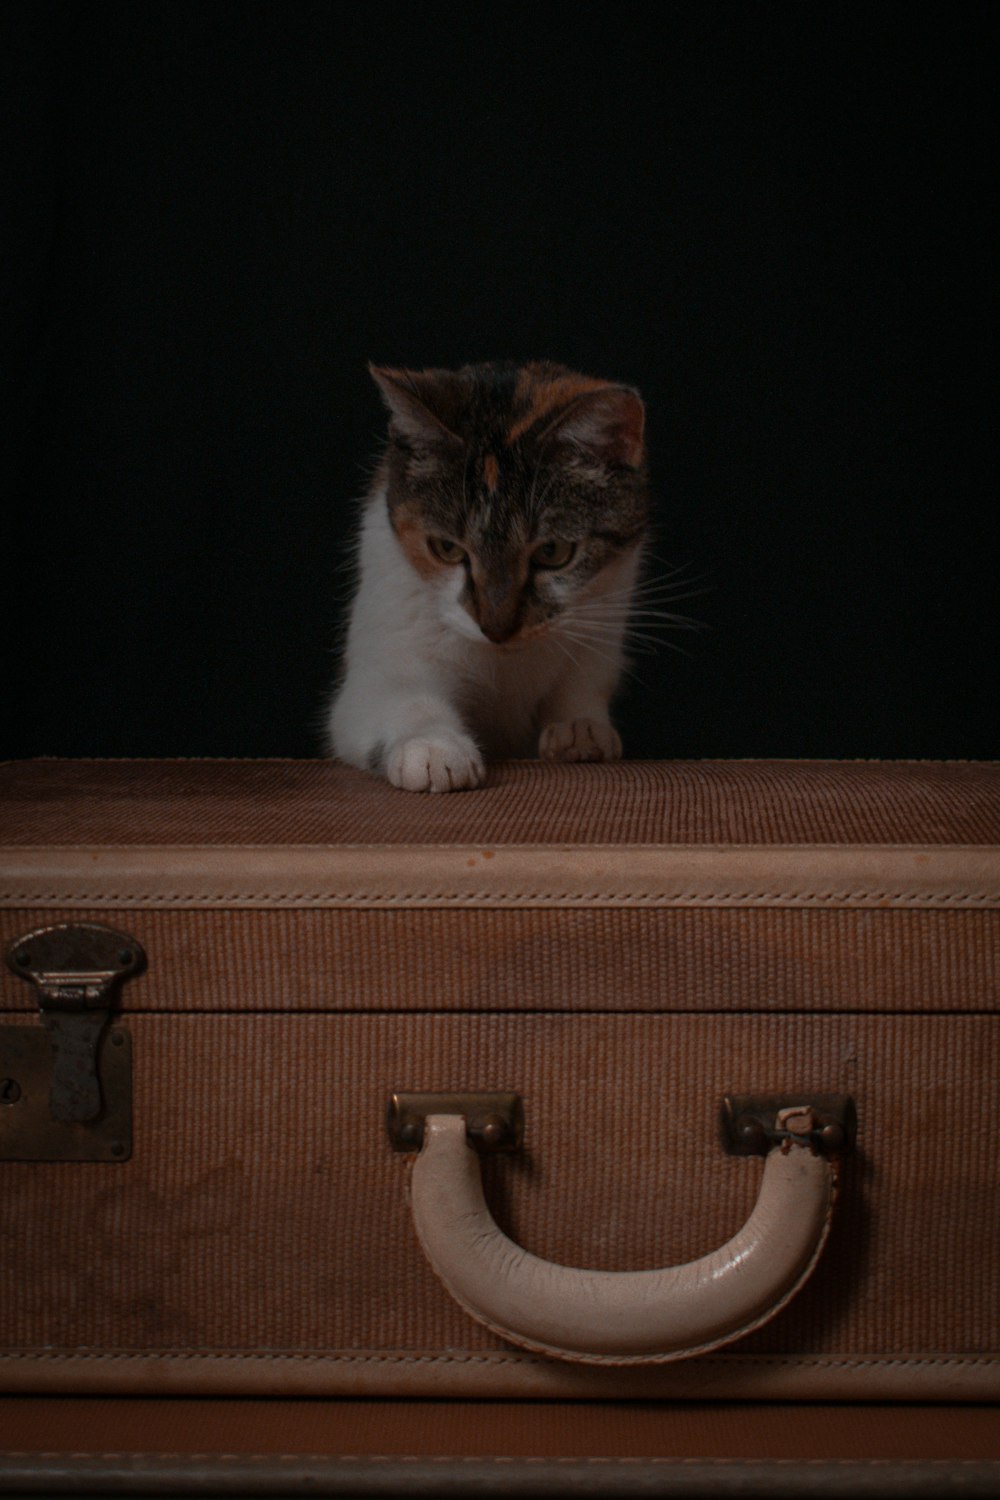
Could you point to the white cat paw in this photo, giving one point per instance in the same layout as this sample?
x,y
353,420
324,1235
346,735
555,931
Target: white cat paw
x,y
580,739
442,762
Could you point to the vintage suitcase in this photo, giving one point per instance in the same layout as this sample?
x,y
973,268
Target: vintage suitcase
x,y
650,1080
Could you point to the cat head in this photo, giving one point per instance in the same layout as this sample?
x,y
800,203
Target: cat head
x,y
512,488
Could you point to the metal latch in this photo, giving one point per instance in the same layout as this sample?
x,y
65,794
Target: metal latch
x,y
66,1091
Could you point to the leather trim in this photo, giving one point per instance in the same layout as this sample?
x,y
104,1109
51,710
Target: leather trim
x,y
368,876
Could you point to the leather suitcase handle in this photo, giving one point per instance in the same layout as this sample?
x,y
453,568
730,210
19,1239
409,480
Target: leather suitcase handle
x,y
619,1317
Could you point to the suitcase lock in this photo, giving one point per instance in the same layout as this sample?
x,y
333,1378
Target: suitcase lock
x,y
66,1091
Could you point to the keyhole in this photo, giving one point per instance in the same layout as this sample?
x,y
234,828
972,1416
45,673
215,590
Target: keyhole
x,y
10,1091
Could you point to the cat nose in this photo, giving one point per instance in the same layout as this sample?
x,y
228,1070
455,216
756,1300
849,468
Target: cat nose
x,y
498,613
497,632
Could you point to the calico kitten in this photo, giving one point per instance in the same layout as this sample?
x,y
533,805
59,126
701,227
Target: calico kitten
x,y
499,548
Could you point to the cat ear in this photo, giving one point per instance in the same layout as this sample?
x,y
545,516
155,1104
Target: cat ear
x,y
418,402
609,421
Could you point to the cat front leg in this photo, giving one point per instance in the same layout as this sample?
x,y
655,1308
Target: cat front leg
x,y
438,758
413,738
576,724
580,739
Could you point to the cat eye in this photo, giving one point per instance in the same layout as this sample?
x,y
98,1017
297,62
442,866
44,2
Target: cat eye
x,y
448,552
553,554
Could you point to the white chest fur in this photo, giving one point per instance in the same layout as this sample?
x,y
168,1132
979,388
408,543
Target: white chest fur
x,y
424,695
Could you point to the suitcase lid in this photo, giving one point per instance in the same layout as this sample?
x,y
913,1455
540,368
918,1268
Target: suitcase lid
x,y
314,833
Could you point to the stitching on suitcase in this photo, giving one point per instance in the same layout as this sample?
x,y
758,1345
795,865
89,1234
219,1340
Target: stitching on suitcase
x,y
490,1458
818,1361
511,898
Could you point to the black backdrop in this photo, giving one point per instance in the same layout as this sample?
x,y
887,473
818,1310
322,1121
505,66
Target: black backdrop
x,y
769,217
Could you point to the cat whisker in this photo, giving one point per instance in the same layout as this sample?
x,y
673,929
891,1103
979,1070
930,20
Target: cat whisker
x,y
625,601
594,635
614,638
659,570
651,619
659,590
652,598
586,638
536,507
652,645
530,507
625,610
465,483
655,567
565,649
628,637
620,665
671,570
633,623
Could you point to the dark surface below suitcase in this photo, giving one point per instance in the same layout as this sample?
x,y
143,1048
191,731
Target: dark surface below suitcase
x,y
438,1449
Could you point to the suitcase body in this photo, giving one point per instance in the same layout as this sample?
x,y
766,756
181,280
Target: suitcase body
x,y
282,947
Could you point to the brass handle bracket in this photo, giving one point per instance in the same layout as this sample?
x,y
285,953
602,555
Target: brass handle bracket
x,y
752,1125
493,1121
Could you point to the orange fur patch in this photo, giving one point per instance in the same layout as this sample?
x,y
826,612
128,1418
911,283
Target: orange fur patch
x,y
491,472
546,397
413,540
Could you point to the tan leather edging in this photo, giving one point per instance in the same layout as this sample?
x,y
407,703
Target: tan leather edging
x,y
618,1317
513,876
503,1374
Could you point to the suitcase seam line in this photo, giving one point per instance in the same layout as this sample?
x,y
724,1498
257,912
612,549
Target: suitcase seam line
x,y
513,898
477,1458
499,1358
